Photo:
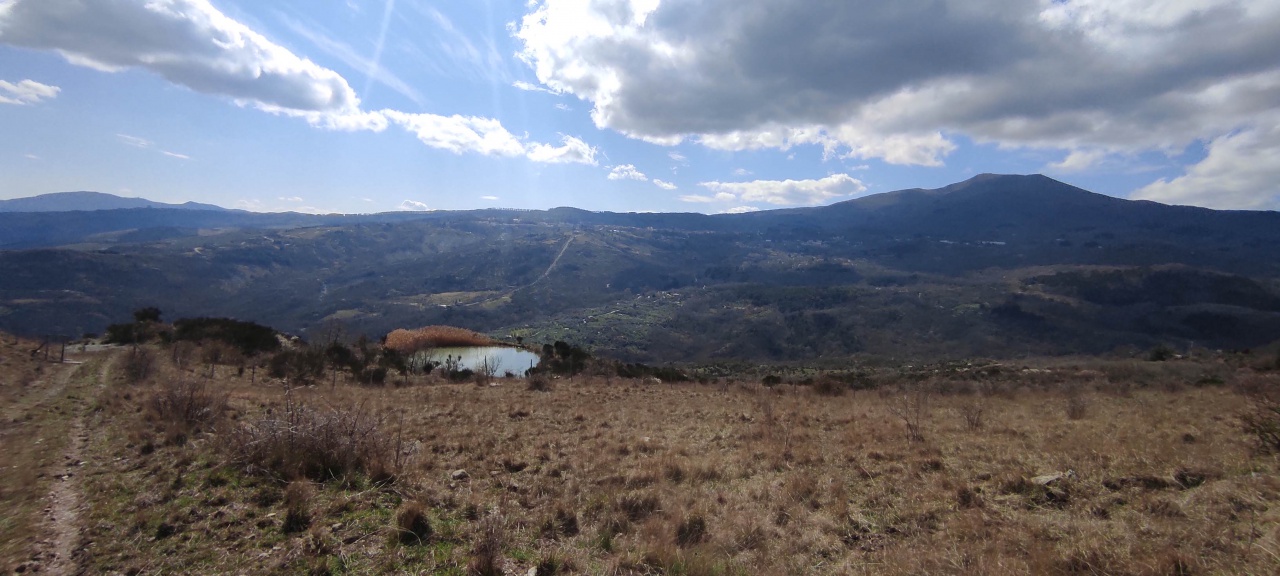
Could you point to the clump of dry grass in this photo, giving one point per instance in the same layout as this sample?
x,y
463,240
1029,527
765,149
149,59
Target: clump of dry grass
x,y
412,525
410,341
486,551
185,407
297,501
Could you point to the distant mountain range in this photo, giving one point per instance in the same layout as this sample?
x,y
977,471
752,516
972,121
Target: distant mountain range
x,y
89,201
993,266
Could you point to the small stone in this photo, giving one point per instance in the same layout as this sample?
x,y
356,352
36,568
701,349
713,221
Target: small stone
x,y
459,474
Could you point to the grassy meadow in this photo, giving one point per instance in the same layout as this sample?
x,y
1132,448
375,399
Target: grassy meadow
x,y
1062,466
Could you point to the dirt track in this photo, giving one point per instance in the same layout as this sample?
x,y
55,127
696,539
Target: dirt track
x,y
64,392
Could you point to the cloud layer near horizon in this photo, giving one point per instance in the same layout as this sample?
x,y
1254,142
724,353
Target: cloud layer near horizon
x,y
899,81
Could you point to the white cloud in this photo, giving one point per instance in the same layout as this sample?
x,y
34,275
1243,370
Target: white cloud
x,y
31,157
134,141
741,210
627,172
290,199
413,206
664,184
26,92
192,44
175,155
188,42
782,192
741,172
904,81
564,107
697,198
677,157
1078,161
489,198
528,87
1241,171
572,151
459,133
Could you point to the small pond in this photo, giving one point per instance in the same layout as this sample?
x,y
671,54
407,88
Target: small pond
x,y
506,358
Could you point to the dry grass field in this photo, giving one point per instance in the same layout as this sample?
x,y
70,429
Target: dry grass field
x,y
1055,467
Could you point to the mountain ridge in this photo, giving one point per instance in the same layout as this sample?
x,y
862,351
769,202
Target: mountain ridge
x,y
92,201
997,264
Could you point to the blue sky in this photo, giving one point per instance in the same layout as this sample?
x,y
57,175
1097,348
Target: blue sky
x,y
634,105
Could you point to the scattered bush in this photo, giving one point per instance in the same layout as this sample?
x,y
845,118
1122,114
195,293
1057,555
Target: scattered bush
x,y
186,407
973,413
247,337
296,441
538,383
829,387
138,365
911,405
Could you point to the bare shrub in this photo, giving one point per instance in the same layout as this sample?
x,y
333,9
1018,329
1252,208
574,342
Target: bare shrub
x,y
973,413
1077,406
829,387
298,441
185,407
910,403
487,370
138,365
538,383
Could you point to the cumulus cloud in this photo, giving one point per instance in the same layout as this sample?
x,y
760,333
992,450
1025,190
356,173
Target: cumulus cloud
x,y
1240,172
781,192
571,151
664,184
413,206
26,92
627,172
902,81
459,133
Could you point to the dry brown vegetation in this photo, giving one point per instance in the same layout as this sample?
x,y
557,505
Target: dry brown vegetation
x,y
1094,467
410,341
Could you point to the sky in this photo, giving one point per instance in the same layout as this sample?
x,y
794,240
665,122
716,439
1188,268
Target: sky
x,y
360,106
